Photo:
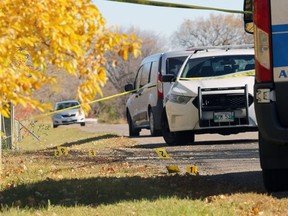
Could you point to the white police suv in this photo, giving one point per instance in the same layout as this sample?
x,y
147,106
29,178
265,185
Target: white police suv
x,y
213,93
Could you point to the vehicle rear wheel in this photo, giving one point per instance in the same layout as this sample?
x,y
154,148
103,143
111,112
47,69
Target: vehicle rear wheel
x,y
153,131
275,177
132,130
175,138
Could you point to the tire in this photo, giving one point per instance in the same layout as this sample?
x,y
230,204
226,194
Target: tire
x,y
275,180
132,130
153,131
55,126
82,124
175,138
274,168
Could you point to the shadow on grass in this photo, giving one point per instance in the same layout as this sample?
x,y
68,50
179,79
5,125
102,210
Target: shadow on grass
x,y
110,190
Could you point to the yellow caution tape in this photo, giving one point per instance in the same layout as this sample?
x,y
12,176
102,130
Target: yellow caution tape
x,y
176,5
91,102
162,154
160,4
234,75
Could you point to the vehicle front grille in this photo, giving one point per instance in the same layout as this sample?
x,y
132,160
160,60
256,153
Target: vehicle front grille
x,y
214,102
67,116
65,122
212,123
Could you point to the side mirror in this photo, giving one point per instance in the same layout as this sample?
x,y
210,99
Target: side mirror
x,y
168,78
248,16
128,87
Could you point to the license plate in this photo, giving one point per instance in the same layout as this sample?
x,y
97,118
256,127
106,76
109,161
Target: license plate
x,y
223,116
69,119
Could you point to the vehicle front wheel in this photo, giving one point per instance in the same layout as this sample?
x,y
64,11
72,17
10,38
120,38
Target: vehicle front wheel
x,y
175,138
275,179
132,130
274,165
82,124
55,126
153,130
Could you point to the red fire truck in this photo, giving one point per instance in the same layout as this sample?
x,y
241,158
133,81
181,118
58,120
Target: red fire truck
x,y
268,20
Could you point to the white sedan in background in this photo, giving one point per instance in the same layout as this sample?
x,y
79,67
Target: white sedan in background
x,y
70,113
213,93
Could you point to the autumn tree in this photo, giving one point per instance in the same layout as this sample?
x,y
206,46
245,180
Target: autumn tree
x,y
64,89
118,76
125,71
213,31
69,34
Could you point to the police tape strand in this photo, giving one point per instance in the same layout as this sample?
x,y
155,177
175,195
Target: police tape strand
x,y
234,75
176,5
240,74
91,102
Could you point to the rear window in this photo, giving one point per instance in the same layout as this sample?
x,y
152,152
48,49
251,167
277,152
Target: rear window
x,y
217,65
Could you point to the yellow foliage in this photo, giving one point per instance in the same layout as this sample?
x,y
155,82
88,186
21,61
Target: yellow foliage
x,y
70,34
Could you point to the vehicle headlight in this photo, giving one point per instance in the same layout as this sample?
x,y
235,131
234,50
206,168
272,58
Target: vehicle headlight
x,y
80,113
179,99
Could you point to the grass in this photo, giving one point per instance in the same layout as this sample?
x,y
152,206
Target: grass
x,y
36,182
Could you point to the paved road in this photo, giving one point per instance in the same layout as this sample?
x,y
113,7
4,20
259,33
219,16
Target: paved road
x,y
232,159
212,153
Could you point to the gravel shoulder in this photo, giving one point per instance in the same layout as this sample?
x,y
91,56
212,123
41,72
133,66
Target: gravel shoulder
x,y
223,158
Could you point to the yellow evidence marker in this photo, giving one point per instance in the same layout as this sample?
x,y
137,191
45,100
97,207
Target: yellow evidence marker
x,y
173,169
92,153
57,153
192,169
162,154
61,151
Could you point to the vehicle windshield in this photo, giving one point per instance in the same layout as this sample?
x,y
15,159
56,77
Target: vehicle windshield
x,y
174,64
217,66
66,105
